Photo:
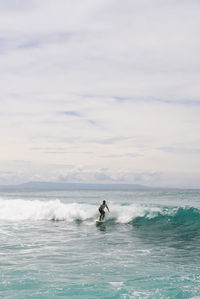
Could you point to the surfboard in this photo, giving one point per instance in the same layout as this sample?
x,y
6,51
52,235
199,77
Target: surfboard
x,y
99,221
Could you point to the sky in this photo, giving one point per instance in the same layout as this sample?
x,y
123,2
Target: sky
x,y
100,91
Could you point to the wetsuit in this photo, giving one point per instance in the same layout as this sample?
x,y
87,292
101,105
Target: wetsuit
x,y
102,207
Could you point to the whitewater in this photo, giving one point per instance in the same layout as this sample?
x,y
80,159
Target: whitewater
x,y
148,246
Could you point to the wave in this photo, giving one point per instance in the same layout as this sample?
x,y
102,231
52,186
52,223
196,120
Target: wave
x,y
171,217
136,215
19,209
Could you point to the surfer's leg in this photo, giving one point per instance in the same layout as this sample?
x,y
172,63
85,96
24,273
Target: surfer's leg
x,y
100,211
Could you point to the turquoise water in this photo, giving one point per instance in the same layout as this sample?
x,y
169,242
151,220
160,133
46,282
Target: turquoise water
x,y
148,247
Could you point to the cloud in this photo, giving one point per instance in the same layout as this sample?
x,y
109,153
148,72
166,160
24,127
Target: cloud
x,y
130,46
71,113
13,6
100,83
181,150
125,155
186,102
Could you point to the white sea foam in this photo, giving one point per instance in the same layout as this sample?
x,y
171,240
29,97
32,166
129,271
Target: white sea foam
x,y
125,214
20,209
117,284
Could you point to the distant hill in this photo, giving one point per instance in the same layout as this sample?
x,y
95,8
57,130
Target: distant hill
x,y
72,186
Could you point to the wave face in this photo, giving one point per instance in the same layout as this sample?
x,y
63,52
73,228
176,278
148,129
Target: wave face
x,y
153,217
179,220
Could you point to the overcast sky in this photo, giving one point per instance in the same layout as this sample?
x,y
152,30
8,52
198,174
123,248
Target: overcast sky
x,y
100,91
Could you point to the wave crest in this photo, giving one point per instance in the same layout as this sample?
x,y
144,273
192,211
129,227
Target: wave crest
x,y
171,217
20,209
136,215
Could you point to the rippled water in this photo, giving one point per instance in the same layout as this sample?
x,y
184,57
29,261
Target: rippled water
x,y
148,247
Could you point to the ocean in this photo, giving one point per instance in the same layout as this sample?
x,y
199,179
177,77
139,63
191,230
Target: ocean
x,y
148,246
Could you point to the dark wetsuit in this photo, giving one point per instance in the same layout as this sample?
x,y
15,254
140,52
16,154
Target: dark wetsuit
x,y
101,211
102,207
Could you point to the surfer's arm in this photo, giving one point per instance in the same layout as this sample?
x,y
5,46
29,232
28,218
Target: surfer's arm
x,y
107,208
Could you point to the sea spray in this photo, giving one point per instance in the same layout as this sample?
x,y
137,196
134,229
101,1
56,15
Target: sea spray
x,y
20,209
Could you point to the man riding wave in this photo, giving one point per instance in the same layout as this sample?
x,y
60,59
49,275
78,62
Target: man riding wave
x,y
101,210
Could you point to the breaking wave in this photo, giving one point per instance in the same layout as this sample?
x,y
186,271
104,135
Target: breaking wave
x,y
135,215
20,209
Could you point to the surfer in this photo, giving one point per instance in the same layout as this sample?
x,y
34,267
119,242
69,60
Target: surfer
x,y
101,210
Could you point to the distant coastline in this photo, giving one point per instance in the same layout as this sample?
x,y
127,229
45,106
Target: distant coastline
x,y
73,186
